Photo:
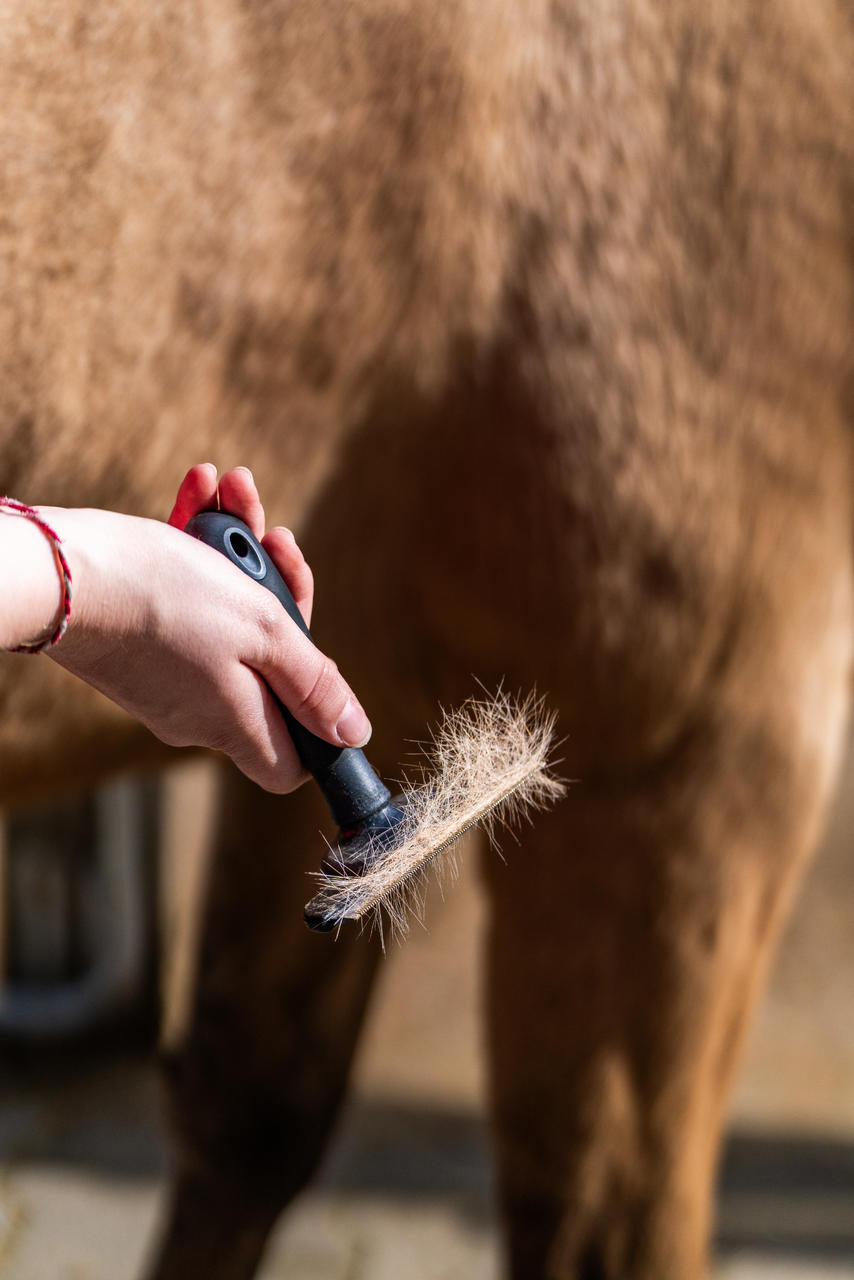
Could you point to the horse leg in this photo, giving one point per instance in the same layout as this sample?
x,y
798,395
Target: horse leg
x,y
255,1087
626,951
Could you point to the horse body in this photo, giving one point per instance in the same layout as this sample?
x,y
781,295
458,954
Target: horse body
x,y
536,330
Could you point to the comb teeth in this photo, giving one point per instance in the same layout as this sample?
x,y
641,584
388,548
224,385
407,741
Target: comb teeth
x,y
354,855
488,763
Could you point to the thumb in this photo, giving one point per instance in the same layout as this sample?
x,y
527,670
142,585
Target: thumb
x,y
312,688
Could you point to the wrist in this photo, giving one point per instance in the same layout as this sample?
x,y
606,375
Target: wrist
x,y
35,580
107,556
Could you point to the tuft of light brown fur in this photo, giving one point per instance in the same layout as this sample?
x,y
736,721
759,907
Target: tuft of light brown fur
x,y
488,764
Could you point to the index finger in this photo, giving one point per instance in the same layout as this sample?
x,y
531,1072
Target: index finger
x,y
196,492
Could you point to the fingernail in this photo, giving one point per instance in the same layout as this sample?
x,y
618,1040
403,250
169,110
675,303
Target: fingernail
x,y
248,472
354,727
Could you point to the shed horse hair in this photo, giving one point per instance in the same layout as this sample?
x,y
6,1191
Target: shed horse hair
x,y
489,763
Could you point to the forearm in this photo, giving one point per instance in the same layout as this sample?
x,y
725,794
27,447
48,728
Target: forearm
x,y
30,583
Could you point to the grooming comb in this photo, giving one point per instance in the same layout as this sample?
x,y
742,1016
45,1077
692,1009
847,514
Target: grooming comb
x,y
489,761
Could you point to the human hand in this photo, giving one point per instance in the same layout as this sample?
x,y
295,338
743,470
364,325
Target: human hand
x,y
172,632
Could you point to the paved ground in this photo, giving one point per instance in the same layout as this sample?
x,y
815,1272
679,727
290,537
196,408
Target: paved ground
x,y
405,1192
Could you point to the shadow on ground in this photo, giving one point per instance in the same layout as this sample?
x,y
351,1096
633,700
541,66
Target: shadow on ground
x,y
780,1195
787,1196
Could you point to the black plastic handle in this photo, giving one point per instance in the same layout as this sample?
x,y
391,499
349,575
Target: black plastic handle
x,y
349,784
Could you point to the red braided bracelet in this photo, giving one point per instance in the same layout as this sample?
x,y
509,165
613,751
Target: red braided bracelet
x,y
30,513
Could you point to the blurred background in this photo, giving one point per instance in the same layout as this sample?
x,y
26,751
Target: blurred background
x,y
405,1190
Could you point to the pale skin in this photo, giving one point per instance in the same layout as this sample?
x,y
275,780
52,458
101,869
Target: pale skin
x,y
171,631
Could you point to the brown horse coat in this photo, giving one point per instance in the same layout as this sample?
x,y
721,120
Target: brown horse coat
x,y
535,323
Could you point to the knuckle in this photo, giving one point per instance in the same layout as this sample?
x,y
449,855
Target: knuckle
x,y
172,737
325,684
270,618
226,740
171,727
271,780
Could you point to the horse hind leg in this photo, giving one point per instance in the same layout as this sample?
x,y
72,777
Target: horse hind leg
x,y
626,950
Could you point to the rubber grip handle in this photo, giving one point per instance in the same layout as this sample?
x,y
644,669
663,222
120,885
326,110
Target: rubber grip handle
x,y
348,781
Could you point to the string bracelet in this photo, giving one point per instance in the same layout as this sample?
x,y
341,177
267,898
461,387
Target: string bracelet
x,y
30,513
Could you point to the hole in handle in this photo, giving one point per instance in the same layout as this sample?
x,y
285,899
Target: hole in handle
x,y
245,552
